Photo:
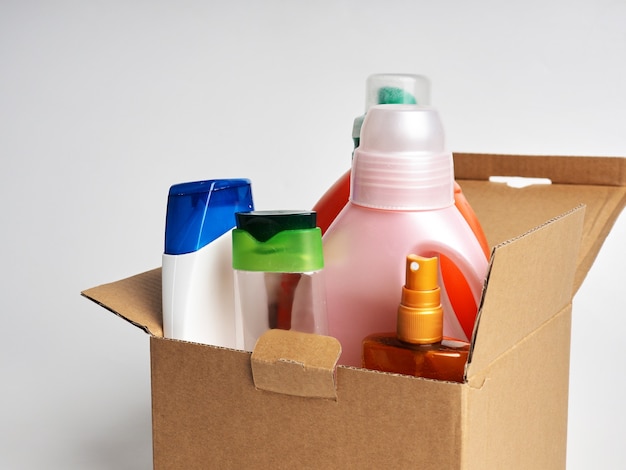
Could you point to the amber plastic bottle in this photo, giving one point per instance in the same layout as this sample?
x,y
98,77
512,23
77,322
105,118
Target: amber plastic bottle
x,y
418,347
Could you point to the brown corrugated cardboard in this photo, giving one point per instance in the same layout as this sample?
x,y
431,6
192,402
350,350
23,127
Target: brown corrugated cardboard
x,y
510,413
599,183
297,364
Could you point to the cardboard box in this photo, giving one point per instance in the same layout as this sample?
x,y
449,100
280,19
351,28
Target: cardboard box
x,y
511,412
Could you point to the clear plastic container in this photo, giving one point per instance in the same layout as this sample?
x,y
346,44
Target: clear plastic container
x,y
278,262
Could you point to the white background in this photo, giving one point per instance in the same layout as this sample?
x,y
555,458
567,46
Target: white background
x,y
105,104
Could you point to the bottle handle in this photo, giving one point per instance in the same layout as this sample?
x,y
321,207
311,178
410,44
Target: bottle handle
x,y
473,266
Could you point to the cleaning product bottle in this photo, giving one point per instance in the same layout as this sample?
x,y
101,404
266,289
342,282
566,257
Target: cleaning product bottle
x,y
197,276
407,89
401,201
278,261
381,88
418,347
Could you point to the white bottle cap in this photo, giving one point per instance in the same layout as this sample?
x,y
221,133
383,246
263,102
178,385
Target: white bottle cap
x,y
401,162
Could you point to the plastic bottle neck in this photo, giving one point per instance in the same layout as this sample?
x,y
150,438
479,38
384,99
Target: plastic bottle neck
x,y
401,162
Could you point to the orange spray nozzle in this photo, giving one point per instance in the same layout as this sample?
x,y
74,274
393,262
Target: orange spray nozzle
x,y
420,315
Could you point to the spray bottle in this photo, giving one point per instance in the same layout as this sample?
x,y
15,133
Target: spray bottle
x,y
418,346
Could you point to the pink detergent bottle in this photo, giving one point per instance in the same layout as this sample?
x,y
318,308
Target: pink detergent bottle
x,y
401,201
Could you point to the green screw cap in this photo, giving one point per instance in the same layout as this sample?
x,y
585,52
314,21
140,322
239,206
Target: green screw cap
x,y
277,241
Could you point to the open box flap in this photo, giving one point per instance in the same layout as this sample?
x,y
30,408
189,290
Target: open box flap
x,y
541,264
136,299
597,171
504,212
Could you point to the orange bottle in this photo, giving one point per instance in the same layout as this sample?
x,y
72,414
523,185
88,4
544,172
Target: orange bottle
x,y
418,347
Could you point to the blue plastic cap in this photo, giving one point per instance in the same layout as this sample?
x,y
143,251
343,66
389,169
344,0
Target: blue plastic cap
x,y
202,211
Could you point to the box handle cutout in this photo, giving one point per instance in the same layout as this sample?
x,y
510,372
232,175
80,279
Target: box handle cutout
x,y
298,364
519,182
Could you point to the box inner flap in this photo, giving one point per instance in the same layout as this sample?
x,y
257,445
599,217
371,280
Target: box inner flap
x,y
541,264
597,171
136,299
505,212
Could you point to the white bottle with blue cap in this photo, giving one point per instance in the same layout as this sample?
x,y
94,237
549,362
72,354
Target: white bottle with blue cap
x,y
197,275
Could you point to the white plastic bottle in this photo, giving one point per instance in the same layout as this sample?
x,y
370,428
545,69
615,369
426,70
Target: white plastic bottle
x,y
197,276
401,202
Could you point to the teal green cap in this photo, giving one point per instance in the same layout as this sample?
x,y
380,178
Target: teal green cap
x,y
277,241
394,95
